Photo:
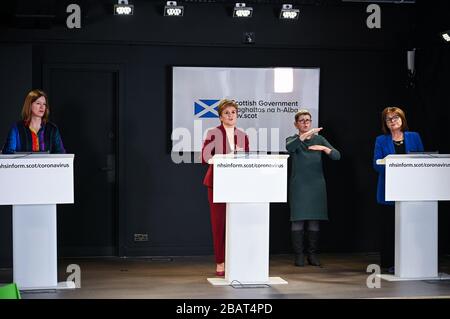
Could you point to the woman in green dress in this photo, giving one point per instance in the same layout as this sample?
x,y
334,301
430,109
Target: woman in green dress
x,y
307,192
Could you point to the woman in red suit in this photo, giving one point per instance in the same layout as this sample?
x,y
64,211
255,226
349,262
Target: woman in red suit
x,y
223,139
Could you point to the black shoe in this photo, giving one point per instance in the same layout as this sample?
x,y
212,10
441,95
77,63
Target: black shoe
x,y
297,245
299,260
313,247
313,260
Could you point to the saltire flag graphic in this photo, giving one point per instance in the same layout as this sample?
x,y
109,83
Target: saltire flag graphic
x,y
206,108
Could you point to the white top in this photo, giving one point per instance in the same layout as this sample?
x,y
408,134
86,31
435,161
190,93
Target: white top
x,y
230,137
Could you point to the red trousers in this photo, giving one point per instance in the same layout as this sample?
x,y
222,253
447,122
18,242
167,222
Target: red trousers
x,y
218,215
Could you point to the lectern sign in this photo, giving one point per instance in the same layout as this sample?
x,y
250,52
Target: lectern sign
x,y
421,177
248,183
416,182
250,178
36,179
34,184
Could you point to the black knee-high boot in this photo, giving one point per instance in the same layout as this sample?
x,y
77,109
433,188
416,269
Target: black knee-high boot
x,y
313,248
297,245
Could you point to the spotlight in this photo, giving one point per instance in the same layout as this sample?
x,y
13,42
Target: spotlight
x,y
241,11
123,8
172,10
288,13
446,36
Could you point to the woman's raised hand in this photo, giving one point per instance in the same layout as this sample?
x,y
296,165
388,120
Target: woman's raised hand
x,y
310,133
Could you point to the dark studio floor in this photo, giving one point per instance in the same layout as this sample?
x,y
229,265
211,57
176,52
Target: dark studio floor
x,y
342,276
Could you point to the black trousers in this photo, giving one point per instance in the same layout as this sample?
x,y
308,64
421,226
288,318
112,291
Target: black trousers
x,y
387,233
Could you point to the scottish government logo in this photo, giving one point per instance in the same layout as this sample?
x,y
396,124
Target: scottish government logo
x,y
206,108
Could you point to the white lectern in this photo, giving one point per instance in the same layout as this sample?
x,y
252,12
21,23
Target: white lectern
x,y
34,184
248,184
416,182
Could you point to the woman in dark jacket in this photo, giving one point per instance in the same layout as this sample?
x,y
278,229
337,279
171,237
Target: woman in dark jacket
x,y
34,133
395,140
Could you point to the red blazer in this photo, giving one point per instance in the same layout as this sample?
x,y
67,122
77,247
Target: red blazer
x,y
216,142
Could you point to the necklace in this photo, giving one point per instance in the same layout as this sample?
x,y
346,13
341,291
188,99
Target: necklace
x,y
398,143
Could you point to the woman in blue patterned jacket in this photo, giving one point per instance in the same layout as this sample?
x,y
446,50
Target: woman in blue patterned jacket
x,y
34,133
395,140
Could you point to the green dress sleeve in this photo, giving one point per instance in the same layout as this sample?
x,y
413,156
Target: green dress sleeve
x,y
335,154
293,143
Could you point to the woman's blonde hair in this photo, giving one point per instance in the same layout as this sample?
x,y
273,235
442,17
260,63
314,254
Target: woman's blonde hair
x,y
32,96
302,112
223,104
